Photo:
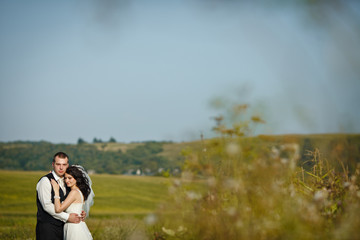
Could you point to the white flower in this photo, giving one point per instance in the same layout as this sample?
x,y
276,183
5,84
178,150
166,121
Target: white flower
x,y
193,195
320,195
177,182
168,231
233,149
211,181
284,160
233,184
231,211
181,229
239,224
150,219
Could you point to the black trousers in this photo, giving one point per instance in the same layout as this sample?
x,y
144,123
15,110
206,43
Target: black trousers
x,y
49,231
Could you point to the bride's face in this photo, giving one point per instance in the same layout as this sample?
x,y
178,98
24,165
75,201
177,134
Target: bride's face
x,y
69,180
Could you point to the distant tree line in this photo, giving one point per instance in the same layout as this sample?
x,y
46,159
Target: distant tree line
x,y
147,158
96,140
38,156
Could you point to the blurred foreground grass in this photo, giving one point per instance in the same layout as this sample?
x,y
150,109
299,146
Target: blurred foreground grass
x,y
264,187
121,203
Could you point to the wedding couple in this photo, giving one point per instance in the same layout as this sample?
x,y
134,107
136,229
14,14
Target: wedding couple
x,y
61,208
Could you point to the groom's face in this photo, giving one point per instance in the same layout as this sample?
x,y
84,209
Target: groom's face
x,y
60,165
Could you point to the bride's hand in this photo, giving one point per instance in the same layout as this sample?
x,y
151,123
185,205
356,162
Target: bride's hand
x,y
55,185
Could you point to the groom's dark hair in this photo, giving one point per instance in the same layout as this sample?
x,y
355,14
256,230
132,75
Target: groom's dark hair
x,y
60,155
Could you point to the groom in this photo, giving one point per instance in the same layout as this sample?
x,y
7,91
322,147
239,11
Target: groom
x,y
49,224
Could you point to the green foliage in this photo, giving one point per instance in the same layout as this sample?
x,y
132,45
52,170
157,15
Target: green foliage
x,y
81,141
37,156
146,157
95,140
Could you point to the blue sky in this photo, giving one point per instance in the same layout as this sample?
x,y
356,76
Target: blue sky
x,y
148,70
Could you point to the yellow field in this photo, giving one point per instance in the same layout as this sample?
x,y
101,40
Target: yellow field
x,y
121,202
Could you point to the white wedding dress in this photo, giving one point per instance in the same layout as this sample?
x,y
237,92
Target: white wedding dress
x,y
76,231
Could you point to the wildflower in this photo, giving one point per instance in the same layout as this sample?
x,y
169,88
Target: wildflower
x,y
239,224
321,195
257,119
150,219
211,181
233,149
240,107
231,211
284,160
168,231
275,153
232,184
181,229
177,182
193,195
210,197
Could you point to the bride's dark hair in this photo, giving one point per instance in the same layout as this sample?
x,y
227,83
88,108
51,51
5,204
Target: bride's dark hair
x,y
81,181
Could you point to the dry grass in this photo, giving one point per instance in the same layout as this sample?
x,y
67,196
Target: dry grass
x,y
236,188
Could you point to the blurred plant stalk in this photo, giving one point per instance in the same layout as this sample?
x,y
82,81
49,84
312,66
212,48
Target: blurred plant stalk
x,y
236,188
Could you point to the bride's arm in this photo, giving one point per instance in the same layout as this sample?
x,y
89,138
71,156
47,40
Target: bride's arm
x,y
60,207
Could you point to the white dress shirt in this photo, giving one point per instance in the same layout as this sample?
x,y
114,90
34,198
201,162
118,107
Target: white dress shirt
x,y
43,189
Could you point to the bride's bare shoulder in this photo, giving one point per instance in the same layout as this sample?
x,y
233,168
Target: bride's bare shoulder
x,y
75,193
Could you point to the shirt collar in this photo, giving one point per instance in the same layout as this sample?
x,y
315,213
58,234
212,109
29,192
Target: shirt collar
x,y
56,176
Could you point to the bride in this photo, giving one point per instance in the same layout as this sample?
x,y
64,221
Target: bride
x,y
79,182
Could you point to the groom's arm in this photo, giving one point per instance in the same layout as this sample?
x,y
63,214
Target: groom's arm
x,y
43,189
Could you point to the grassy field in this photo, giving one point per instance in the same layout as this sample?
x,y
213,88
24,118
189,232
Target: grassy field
x,y
121,203
252,188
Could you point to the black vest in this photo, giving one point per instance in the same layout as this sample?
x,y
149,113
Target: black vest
x,y
42,215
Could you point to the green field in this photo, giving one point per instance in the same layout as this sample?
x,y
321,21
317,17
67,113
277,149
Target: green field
x,y
121,202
